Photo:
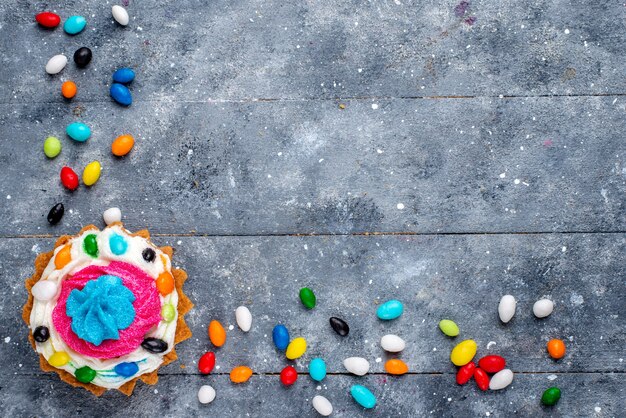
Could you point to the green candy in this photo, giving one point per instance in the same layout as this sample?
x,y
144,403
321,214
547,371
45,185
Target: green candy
x,y
448,327
307,297
85,374
551,396
52,147
90,245
168,313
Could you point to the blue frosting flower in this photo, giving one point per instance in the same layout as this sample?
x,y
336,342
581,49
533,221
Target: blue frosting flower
x,y
101,309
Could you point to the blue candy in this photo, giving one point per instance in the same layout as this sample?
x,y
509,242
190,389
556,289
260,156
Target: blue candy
x,y
390,310
280,335
124,75
118,244
127,369
78,131
317,369
121,94
363,396
74,24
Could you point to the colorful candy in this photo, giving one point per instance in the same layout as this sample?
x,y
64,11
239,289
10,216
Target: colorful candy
x,y
396,367
463,352
85,374
154,345
296,348
357,365
126,369
501,379
390,310
449,327
69,178
206,394
322,405
74,25
122,145
288,376
556,349
551,396
543,307
120,15
78,131
63,257
148,255
168,312
59,359
69,89
317,369
363,396
121,94
308,298
52,147
339,326
465,373
41,334
206,363
117,244
492,363
56,213
280,336
165,285
91,173
506,308
481,378
56,64
217,333
82,57
112,215
48,19
44,290
123,75
240,374
392,343
243,318
90,245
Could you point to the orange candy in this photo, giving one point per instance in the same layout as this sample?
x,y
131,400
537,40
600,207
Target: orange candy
x,y
556,349
165,283
240,374
217,335
63,257
122,145
396,366
68,89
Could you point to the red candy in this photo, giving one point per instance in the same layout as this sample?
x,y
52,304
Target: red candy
x,y
206,363
69,178
465,373
481,378
288,376
48,19
492,363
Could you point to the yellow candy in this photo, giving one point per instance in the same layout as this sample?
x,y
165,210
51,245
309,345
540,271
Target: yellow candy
x,y
296,348
58,359
463,352
91,173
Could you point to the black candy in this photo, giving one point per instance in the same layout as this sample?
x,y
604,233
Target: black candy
x,y
56,213
148,254
339,325
154,345
41,334
82,57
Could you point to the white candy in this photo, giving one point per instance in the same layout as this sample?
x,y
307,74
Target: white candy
x,y
543,308
120,15
322,405
506,308
112,215
206,394
392,343
501,379
56,64
356,365
44,290
244,318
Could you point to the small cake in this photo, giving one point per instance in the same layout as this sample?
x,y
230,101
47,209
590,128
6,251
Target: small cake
x,y
106,308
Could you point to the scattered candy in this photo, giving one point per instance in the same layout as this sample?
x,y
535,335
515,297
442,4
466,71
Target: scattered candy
x,y
56,64
449,327
556,349
465,373
392,343
48,19
363,396
501,379
123,75
112,215
127,369
120,15
296,348
82,57
288,376
154,345
121,94
122,145
463,352
148,254
91,173
240,374
339,326
307,297
44,290
280,336
317,369
322,405
168,312
396,367
217,333
117,244
357,365
69,178
506,308
481,378
390,310
56,213
63,257
90,245
244,318
206,394
59,359
165,284
85,374
543,308
492,363
52,147
551,396
41,334
78,131
206,363
74,25
68,89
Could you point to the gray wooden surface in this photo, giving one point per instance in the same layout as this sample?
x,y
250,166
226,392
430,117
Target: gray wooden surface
x,y
480,152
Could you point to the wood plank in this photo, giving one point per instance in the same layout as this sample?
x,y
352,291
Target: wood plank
x,y
454,166
194,50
